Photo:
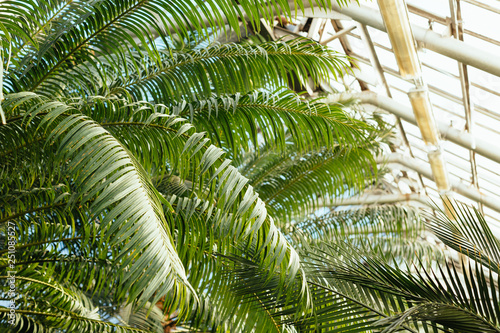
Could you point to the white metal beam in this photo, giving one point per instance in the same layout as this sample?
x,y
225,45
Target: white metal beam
x,y
337,35
422,168
450,47
463,139
373,199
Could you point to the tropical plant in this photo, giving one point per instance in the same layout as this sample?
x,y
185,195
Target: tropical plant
x,y
116,211
151,178
365,292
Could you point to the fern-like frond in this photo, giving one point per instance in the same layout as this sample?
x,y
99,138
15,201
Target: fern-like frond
x,y
100,164
243,295
468,233
444,297
61,34
235,121
294,185
171,77
392,232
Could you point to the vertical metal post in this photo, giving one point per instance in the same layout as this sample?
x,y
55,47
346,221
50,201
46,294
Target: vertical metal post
x,y
458,32
337,26
397,23
365,36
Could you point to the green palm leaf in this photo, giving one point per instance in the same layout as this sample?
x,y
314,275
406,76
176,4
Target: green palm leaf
x,y
50,42
169,77
119,202
224,212
235,119
391,232
468,233
295,185
451,299
100,164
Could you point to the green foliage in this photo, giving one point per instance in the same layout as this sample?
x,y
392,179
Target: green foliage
x,y
118,195
121,212
148,175
296,184
412,297
390,232
278,119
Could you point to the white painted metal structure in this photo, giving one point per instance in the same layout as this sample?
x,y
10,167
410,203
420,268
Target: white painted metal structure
x,y
441,89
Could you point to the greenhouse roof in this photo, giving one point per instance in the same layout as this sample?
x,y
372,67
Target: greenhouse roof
x,y
457,67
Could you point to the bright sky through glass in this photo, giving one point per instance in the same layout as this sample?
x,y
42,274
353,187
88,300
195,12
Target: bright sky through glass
x,y
441,74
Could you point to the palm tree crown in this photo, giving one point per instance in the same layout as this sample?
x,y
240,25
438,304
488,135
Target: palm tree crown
x,y
151,177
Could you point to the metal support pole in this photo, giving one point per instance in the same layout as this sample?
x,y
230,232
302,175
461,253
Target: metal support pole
x,y
463,139
467,191
450,47
458,32
365,36
337,35
395,15
337,26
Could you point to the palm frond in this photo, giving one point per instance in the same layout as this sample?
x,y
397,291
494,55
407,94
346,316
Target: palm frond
x,y
295,185
118,202
468,233
335,312
443,297
274,117
207,232
376,220
137,317
171,77
100,164
48,305
392,232
370,283
26,321
220,210
53,232
243,295
50,42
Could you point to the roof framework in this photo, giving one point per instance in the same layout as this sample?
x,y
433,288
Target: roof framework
x,y
439,80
